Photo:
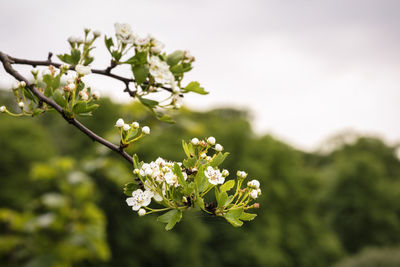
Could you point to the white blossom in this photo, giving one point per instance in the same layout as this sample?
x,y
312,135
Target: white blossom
x,y
142,212
21,104
225,173
253,193
156,196
146,130
171,179
83,70
195,141
2,109
72,39
211,140
22,84
126,127
139,199
79,39
219,148
124,33
157,46
214,176
188,55
241,174
203,155
84,94
254,184
160,70
142,41
69,87
64,67
120,123
135,125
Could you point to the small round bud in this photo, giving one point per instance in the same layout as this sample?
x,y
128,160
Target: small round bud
x,y
195,141
64,67
219,148
241,174
87,30
2,109
72,39
253,194
136,171
126,127
211,140
96,95
142,212
21,104
225,173
255,184
208,158
146,130
15,85
97,33
84,94
256,205
120,123
22,84
203,155
135,125
79,40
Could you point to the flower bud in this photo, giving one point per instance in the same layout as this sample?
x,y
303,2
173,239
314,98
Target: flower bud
x,y
219,148
135,125
211,140
142,212
84,94
21,104
2,109
256,205
96,95
15,85
253,193
64,67
195,141
208,158
225,173
255,184
82,70
69,87
72,39
22,84
120,123
184,199
203,155
96,33
126,127
87,30
146,130
136,171
241,174
79,39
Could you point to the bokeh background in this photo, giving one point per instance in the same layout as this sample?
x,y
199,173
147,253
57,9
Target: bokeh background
x,y
303,94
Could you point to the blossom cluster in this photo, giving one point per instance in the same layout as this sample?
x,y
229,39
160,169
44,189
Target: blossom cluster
x,y
130,132
178,186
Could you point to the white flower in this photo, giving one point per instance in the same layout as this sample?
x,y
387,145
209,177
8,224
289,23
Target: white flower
x,y
69,87
211,140
157,46
97,33
21,104
139,199
22,84
253,193
241,174
208,158
142,212
126,127
15,85
160,70
142,41
120,123
79,39
219,148
96,95
84,94
2,109
171,179
146,130
195,141
83,70
157,196
124,33
225,173
214,176
254,184
136,171
72,39
135,125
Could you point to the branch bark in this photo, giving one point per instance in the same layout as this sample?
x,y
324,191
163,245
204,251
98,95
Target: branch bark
x,y
7,63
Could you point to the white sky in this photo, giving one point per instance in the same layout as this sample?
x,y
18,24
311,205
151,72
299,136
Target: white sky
x,y
306,69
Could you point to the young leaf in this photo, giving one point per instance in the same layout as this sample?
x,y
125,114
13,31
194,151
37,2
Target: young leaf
x,y
247,216
135,160
75,56
178,172
59,98
129,188
200,202
233,216
223,197
79,107
166,118
190,162
227,186
170,218
109,43
185,148
200,179
175,57
140,72
219,158
195,87
148,102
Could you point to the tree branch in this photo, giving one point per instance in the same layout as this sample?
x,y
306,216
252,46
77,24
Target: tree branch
x,y
7,61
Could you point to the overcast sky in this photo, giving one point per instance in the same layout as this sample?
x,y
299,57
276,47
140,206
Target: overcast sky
x,y
305,69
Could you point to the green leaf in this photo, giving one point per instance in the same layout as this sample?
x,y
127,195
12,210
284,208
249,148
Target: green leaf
x,y
59,98
75,56
195,87
37,112
181,68
116,55
247,216
200,202
223,197
140,72
65,58
170,218
190,162
200,179
219,158
139,58
227,186
185,148
48,80
148,102
79,107
135,160
129,188
178,172
109,43
166,118
30,95
175,57
233,216
189,189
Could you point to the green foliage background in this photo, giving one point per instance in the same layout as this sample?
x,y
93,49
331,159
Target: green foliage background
x,y
61,200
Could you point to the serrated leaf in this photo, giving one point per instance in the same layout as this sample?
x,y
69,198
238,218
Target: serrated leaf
x,y
75,56
170,218
116,55
222,198
227,186
175,57
190,162
195,87
233,216
59,98
139,58
247,216
140,72
219,158
79,107
178,172
185,148
189,189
